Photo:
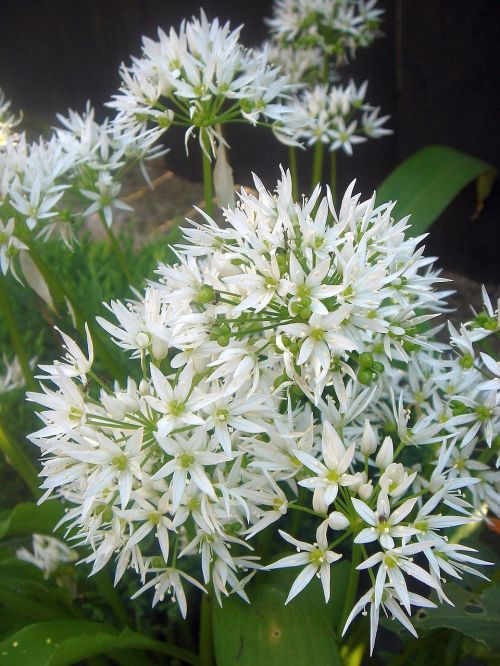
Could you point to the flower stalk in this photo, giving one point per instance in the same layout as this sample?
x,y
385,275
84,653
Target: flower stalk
x,y
115,246
206,631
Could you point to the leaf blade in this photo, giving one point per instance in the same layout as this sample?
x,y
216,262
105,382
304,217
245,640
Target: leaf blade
x,y
428,181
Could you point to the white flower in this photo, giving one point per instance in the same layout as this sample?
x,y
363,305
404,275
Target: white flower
x,y
48,554
10,246
332,472
189,457
169,581
394,563
105,198
317,560
76,364
384,525
391,605
178,401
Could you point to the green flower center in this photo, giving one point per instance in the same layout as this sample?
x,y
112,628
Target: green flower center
x,y
186,460
120,462
317,557
222,415
317,334
176,407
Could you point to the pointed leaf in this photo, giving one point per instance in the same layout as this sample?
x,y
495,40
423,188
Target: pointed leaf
x,y
428,181
27,518
68,642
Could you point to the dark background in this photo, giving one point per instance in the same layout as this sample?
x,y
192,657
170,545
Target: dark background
x,y
436,72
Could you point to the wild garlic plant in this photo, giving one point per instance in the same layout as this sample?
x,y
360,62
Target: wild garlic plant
x,y
200,77
285,364
310,41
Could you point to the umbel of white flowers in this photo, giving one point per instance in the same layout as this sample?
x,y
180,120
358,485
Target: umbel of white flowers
x,y
288,349
332,28
200,77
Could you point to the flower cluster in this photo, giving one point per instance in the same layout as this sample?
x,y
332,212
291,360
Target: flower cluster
x,y
7,120
47,555
327,114
13,378
200,77
335,27
47,186
285,363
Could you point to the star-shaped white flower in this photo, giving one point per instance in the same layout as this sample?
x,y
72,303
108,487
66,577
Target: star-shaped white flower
x,y
315,557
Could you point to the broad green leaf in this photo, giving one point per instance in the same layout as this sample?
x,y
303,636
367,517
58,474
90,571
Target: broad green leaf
x,y
18,459
25,593
474,615
428,181
64,643
25,602
27,518
268,632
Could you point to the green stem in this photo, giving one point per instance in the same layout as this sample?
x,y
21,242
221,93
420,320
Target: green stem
x,y
115,246
305,509
107,589
317,171
20,462
333,175
352,587
206,637
292,152
207,182
15,334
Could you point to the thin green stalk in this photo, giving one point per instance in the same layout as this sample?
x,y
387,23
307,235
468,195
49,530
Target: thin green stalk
x,y
305,509
317,171
292,152
20,462
207,183
106,587
115,246
15,334
352,587
333,175
206,637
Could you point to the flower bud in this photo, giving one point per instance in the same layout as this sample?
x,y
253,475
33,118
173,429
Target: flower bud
x,y
361,478
144,387
116,408
160,348
142,339
385,454
337,521
130,401
365,491
369,439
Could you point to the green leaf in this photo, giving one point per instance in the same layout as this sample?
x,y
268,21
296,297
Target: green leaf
x,y
474,615
268,632
428,181
64,643
28,518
